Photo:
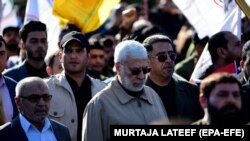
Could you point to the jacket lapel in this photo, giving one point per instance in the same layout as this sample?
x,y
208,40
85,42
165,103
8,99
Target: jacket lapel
x,y
18,130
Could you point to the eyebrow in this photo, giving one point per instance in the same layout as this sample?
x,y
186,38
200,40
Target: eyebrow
x,y
164,52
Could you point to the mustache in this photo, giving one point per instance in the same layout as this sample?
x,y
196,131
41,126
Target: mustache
x,y
230,107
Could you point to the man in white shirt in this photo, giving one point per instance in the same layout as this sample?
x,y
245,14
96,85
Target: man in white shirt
x,y
33,102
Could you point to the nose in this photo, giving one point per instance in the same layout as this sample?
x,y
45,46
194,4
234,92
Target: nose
x,y
73,55
41,101
232,99
141,75
168,59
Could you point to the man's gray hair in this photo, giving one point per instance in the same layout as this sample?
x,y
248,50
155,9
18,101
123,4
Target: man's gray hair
x,y
129,49
28,82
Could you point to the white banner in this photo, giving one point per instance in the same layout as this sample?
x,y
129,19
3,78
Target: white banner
x,y
209,17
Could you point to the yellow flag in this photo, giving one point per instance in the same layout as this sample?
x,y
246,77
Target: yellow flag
x,y
88,15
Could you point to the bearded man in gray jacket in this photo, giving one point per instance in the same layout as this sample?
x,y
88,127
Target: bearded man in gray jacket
x,y
126,100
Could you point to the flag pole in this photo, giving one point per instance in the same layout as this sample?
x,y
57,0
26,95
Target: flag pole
x,y
244,7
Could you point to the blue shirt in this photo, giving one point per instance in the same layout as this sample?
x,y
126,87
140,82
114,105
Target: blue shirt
x,y
33,134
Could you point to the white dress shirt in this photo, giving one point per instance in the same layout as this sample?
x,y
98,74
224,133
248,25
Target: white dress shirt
x,y
33,134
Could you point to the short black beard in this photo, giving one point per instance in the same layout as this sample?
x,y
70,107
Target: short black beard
x,y
31,56
12,47
222,117
38,59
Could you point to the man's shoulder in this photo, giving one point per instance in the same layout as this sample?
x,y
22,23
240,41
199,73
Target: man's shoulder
x,y
97,83
6,126
17,72
179,80
15,68
58,124
54,78
9,80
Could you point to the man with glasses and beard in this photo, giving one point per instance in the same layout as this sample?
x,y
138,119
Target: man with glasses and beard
x,y
180,98
32,124
34,40
220,97
126,100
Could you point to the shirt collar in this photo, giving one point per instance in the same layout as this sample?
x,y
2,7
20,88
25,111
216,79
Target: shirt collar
x,y
26,125
125,98
2,82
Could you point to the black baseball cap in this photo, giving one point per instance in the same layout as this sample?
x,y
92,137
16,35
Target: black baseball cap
x,y
10,28
76,36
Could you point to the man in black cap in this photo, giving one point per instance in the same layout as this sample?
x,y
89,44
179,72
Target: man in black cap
x,y
12,39
72,88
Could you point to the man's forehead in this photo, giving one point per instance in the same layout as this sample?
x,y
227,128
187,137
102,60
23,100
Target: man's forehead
x,y
73,44
226,86
37,34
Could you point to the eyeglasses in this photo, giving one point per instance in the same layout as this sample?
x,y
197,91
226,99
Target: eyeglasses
x,y
164,57
136,71
35,98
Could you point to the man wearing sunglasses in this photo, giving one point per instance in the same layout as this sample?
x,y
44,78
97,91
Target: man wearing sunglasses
x,y
33,102
180,98
126,100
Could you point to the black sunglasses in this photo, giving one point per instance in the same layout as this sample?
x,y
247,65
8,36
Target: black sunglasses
x,y
164,57
35,98
136,71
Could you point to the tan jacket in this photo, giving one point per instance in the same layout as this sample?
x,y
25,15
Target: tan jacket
x,y
63,105
113,106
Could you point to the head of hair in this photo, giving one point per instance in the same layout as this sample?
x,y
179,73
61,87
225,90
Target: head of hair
x,y
95,44
149,41
30,27
51,57
138,7
218,40
2,41
106,42
129,49
209,83
245,50
28,82
10,28
202,41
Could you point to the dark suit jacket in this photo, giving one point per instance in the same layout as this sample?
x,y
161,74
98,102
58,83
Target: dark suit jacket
x,y
187,99
17,72
11,85
13,131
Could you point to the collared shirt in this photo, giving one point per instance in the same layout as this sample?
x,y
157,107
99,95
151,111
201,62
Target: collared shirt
x,y
33,134
7,104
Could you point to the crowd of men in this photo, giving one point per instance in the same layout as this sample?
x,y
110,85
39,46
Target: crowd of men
x,y
90,83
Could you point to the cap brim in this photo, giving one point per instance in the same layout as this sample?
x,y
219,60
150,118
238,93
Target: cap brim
x,y
73,39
